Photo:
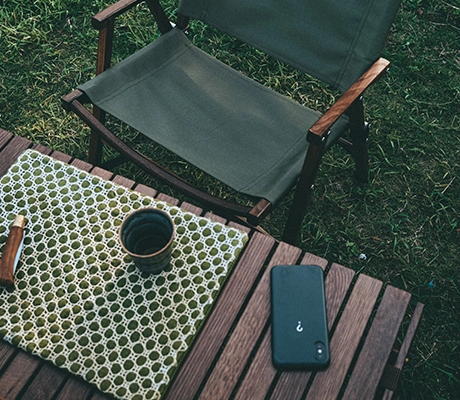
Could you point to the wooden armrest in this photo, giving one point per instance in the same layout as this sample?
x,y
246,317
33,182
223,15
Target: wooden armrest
x,y
324,124
78,95
113,11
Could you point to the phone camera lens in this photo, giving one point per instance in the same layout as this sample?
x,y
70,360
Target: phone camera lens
x,y
320,353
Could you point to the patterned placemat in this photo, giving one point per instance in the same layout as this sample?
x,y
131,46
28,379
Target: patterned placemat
x,y
78,299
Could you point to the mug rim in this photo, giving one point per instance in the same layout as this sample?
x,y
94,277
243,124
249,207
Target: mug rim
x,y
139,210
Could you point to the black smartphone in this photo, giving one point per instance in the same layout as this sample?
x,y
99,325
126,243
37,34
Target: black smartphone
x,y
299,322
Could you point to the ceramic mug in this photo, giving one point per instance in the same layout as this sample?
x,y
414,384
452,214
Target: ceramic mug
x,y
147,235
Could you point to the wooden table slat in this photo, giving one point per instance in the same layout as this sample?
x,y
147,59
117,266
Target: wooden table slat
x,y
18,374
122,181
5,137
6,354
224,376
417,314
42,149
58,155
195,367
45,384
261,373
98,396
83,165
402,354
192,208
11,151
168,199
347,336
102,173
379,342
214,217
74,388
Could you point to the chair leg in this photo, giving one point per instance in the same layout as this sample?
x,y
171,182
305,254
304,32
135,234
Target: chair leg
x,y
104,55
359,133
95,143
303,192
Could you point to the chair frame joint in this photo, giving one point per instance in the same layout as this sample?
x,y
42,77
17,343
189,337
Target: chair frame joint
x,y
315,139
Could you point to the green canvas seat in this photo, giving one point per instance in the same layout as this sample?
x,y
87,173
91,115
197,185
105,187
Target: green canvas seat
x,y
242,133
229,114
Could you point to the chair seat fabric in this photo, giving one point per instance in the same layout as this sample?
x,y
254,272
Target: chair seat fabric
x,y
210,115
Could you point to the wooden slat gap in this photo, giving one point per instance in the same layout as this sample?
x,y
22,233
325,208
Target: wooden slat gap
x,y
254,365
39,387
10,152
16,378
5,137
247,332
385,326
7,354
346,338
406,344
344,301
201,358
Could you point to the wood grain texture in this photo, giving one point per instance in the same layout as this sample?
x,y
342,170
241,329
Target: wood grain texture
x,y
10,152
74,387
201,356
83,165
6,353
311,259
324,124
261,373
5,137
57,155
168,199
18,374
379,342
113,11
102,173
191,208
402,354
347,335
42,149
122,181
45,384
233,359
146,190
337,284
9,254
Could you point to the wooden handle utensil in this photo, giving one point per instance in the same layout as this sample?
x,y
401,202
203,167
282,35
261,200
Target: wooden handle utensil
x,y
12,251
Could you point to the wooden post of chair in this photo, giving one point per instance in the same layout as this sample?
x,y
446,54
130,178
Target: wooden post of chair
x,y
104,56
359,132
164,25
304,187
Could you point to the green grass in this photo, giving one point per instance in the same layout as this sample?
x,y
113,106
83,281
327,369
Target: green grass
x,y
406,220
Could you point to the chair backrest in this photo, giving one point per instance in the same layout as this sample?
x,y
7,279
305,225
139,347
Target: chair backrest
x,y
333,40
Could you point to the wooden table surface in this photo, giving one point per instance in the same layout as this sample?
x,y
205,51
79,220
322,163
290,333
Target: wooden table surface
x,y
372,327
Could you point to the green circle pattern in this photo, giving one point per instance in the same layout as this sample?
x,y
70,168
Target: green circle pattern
x,y
79,301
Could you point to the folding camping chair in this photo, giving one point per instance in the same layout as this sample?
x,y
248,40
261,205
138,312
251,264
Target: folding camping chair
x,y
242,133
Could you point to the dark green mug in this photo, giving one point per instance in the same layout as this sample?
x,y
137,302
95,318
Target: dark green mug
x,y
147,235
